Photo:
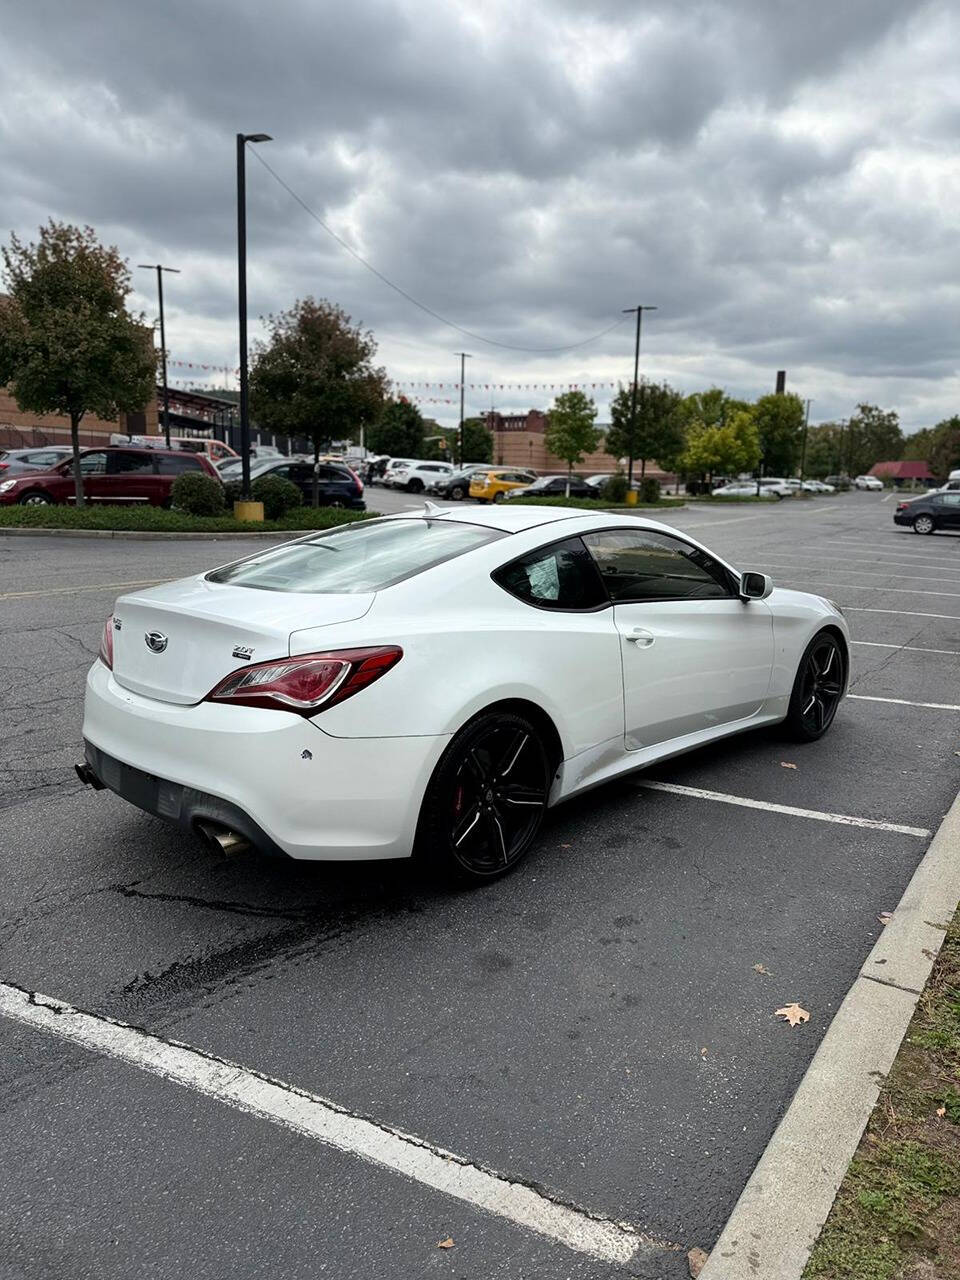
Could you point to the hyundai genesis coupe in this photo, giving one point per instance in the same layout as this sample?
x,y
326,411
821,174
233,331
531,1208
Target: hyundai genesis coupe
x,y
433,682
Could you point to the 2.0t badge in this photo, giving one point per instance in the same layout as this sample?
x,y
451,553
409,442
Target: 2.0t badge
x,y
156,641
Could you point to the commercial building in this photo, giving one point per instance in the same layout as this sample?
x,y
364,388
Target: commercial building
x,y
21,429
518,441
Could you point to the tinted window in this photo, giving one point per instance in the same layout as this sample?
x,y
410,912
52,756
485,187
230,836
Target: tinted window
x,y
128,463
559,577
171,466
361,557
951,499
637,565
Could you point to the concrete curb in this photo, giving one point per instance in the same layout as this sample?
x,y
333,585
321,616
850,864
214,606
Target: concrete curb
x,y
147,535
778,1217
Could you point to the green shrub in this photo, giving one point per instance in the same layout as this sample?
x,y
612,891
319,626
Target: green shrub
x,y
198,495
277,495
649,489
147,519
615,489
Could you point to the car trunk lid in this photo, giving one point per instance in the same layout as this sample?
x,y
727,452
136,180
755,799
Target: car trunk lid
x,y
175,642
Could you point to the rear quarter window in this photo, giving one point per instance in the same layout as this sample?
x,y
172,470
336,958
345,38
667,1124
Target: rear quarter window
x,y
562,576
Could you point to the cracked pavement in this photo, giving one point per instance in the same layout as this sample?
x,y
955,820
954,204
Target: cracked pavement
x,y
593,1024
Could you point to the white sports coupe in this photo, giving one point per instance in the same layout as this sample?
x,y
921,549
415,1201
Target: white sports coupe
x,y
432,682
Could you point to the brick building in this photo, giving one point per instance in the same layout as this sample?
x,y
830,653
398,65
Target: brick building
x,y
20,429
518,441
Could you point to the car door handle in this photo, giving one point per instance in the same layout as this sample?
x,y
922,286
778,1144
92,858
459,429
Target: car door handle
x,y
641,637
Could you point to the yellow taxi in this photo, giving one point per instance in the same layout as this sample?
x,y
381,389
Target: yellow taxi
x,y
490,486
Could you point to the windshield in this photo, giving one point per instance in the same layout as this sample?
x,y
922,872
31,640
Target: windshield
x,y
361,557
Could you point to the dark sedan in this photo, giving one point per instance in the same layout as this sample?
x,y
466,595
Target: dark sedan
x,y
337,485
457,486
931,512
555,487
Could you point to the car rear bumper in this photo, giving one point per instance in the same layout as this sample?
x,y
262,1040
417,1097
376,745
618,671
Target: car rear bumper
x,y
273,776
902,519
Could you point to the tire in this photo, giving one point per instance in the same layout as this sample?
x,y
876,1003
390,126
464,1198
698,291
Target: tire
x,y
335,502
922,524
485,803
35,498
415,486
817,688
457,493
498,496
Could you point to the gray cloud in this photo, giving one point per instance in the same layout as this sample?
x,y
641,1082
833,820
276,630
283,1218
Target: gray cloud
x,y
779,179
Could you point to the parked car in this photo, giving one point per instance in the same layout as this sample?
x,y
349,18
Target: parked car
x,y
818,486
338,486
438,681
456,486
215,450
554,487
491,485
927,514
744,489
389,466
15,462
867,482
416,476
109,475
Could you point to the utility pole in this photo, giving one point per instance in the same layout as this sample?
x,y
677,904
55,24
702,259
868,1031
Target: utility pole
x,y
155,266
242,140
803,448
639,309
464,357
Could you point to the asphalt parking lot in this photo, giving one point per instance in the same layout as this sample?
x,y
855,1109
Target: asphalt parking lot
x,y
594,1027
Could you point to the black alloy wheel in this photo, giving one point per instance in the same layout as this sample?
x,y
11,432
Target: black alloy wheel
x,y
486,800
924,524
817,689
498,496
415,486
457,493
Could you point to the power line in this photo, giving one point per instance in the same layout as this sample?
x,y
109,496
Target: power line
x,y
507,346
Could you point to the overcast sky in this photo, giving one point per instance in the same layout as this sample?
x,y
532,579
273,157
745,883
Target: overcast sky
x,y
780,179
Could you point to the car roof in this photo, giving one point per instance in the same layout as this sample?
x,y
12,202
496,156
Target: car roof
x,y
515,517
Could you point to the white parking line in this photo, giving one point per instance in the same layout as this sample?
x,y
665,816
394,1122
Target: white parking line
x,y
791,810
902,702
801,570
903,591
901,613
910,648
65,591
315,1117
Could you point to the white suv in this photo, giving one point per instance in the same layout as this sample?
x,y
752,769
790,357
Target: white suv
x,y
867,482
415,476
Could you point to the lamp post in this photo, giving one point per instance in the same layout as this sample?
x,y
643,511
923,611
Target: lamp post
x,y
464,357
803,449
639,309
242,140
155,266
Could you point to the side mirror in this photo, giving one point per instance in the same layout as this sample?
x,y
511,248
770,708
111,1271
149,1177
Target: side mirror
x,y
755,586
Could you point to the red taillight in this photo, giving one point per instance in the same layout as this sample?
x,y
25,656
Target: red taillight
x,y
308,682
902,506
106,643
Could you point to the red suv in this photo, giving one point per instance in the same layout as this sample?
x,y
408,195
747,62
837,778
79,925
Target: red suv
x,y
109,475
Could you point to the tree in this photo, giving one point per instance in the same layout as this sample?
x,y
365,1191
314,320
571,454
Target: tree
x,y
823,450
658,431
314,376
779,421
68,344
570,431
938,446
477,441
873,435
723,450
399,431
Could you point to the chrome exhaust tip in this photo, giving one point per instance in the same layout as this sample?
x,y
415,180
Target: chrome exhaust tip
x,y
223,841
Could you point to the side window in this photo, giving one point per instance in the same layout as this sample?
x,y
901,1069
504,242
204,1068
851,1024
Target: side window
x,y
93,464
562,576
172,466
951,499
640,565
128,463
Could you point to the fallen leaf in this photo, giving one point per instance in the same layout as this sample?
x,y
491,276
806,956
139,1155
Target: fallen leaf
x,y
793,1014
758,968
941,1112
696,1260
885,917
703,1053
565,846
785,764
445,1244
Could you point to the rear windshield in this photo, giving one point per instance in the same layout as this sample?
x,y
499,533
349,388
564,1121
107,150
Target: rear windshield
x,y
361,557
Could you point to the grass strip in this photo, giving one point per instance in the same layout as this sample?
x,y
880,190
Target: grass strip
x,y
147,519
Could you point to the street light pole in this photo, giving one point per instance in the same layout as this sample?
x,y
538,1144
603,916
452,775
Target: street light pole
x,y
639,309
242,140
155,266
803,449
464,357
